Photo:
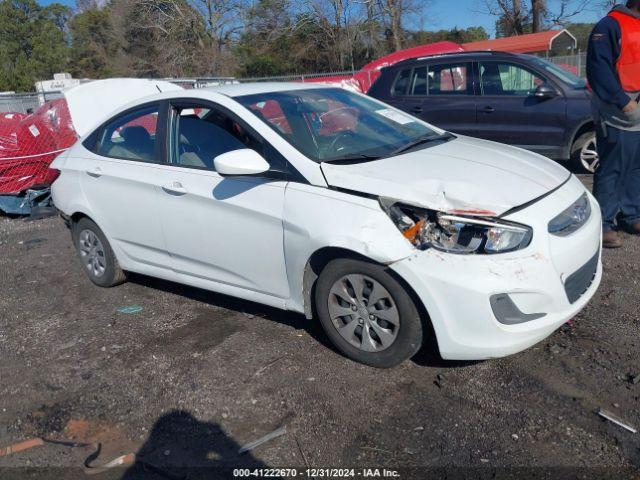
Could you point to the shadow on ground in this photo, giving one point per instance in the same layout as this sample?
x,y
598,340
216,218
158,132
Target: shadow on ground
x,y
428,356
290,319
180,446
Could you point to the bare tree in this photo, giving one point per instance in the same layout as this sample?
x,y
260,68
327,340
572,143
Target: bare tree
x,y
393,14
604,6
567,10
515,17
538,14
511,16
340,22
159,38
223,20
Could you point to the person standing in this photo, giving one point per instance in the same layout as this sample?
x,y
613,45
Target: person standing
x,y
613,71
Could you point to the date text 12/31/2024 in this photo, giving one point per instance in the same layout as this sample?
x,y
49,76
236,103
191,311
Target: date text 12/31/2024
x,y
315,473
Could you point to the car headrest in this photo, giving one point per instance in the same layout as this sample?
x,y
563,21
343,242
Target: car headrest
x,y
135,135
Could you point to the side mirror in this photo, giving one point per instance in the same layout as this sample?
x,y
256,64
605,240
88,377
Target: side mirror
x,y
545,91
240,162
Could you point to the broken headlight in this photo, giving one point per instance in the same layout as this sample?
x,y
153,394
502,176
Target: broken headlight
x,y
457,234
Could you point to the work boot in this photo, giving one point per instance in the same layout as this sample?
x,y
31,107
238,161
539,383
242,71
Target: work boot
x,y
634,228
611,239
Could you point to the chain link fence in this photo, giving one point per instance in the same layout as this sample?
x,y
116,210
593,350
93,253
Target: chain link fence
x,y
576,64
29,102
25,102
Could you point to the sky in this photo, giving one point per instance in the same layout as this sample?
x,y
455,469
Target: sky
x,y
447,14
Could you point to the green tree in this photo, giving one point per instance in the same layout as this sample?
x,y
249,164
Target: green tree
x,y
160,38
264,47
32,43
93,44
457,35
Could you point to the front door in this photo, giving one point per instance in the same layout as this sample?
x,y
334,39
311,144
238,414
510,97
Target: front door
x,y
509,112
222,229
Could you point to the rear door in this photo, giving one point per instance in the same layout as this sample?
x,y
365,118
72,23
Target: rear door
x,y
443,94
119,177
509,112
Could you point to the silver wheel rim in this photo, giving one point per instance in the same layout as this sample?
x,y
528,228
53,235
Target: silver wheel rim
x,y
364,313
589,155
92,253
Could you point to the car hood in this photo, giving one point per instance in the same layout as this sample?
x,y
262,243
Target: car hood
x,y
463,176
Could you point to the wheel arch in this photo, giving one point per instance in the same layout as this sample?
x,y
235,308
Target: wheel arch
x,y
585,127
77,216
321,257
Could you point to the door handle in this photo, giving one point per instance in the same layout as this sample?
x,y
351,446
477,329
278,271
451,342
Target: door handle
x,y
174,188
95,172
488,110
416,110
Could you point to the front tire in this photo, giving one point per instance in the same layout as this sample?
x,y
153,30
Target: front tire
x,y
367,314
584,154
96,255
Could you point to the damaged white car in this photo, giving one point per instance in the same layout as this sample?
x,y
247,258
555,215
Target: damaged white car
x,y
335,205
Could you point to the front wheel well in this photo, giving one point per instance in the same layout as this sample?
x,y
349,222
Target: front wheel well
x,y
585,128
320,258
76,217
316,263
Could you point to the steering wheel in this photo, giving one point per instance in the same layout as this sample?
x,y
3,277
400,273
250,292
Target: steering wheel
x,y
337,143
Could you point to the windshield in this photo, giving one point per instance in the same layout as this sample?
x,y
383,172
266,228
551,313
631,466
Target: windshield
x,y
563,74
332,124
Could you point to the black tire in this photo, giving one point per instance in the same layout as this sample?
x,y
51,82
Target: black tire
x,y
584,140
112,274
408,339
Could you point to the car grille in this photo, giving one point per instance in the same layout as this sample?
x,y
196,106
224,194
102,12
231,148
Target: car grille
x,y
580,281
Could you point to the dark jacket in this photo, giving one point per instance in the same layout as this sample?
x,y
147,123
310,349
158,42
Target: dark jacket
x,y
602,56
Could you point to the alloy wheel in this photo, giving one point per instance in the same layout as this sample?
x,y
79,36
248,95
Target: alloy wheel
x,y
589,155
92,253
364,312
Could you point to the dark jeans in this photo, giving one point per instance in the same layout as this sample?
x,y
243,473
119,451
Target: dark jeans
x,y
616,183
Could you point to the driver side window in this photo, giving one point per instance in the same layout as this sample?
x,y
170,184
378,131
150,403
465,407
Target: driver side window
x,y
199,134
508,79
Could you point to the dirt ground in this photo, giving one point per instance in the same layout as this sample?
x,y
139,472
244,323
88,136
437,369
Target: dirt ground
x,y
192,376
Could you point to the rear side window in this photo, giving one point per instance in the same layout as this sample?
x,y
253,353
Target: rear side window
x,y
447,79
131,136
401,83
419,81
451,79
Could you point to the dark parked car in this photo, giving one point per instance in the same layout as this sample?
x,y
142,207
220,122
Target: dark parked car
x,y
520,100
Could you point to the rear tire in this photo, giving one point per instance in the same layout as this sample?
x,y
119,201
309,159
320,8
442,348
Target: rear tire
x,y
584,154
96,255
382,334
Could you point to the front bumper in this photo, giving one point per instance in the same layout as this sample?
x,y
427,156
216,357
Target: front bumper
x,y
456,289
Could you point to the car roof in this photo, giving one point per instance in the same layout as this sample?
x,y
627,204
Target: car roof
x,y
241,89
460,56
229,90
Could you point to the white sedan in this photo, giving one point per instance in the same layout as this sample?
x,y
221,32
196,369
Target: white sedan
x,y
329,203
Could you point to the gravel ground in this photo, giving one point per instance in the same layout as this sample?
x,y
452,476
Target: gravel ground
x,y
194,375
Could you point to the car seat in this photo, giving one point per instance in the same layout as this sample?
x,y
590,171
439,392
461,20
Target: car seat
x,y
491,80
138,141
202,141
